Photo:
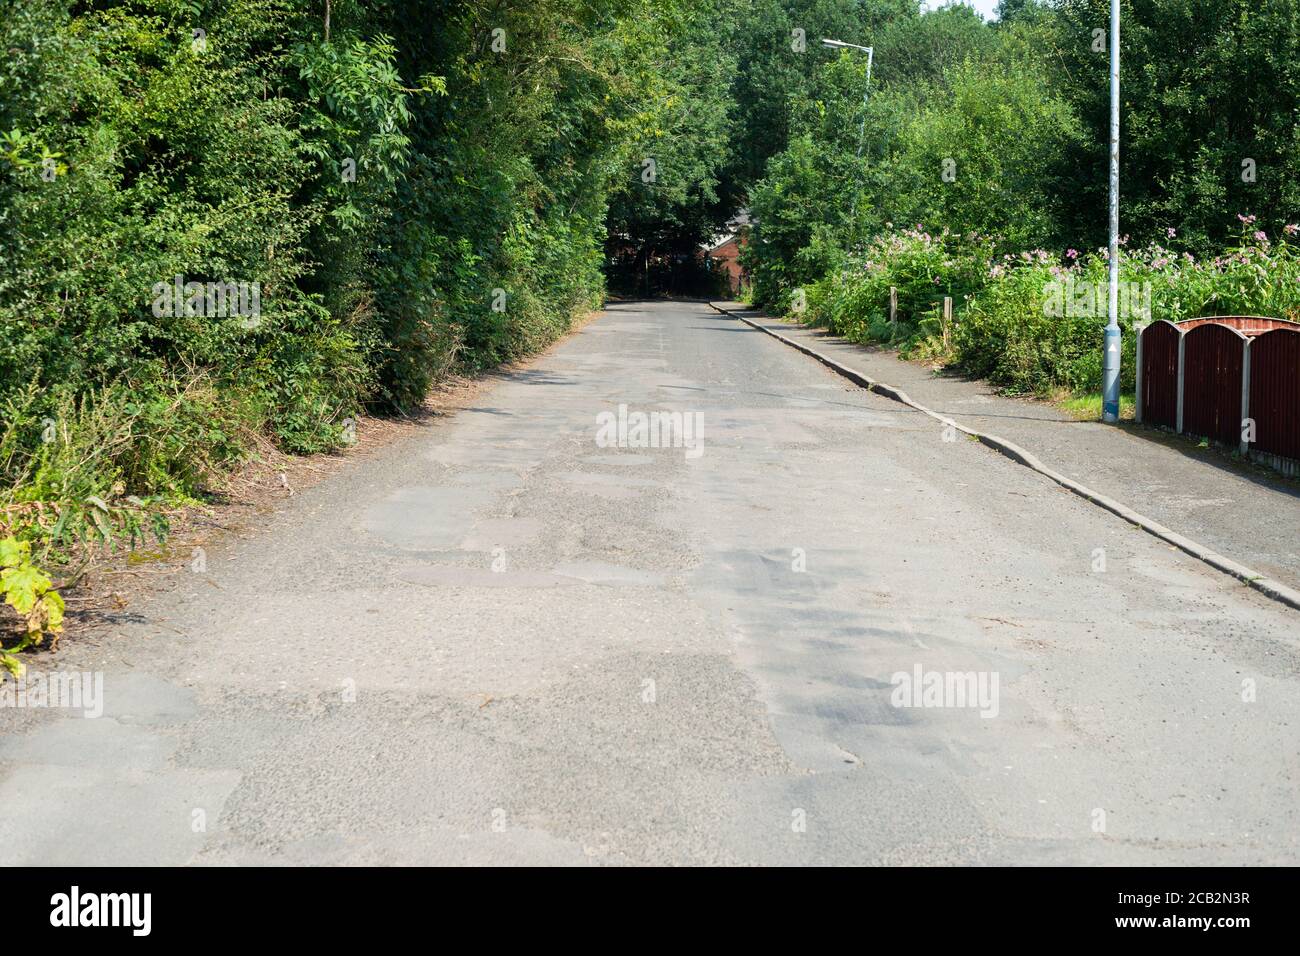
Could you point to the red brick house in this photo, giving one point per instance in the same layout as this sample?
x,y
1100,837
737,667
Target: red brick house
x,y
724,251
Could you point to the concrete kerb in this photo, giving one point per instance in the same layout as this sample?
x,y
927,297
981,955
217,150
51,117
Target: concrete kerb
x,y
1266,586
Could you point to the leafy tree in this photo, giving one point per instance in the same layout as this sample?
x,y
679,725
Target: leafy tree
x,y
668,198
1210,95
981,156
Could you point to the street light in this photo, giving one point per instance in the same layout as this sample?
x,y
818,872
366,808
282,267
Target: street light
x,y
841,43
1111,346
862,131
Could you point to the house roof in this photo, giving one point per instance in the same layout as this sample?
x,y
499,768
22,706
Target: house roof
x,y
719,243
731,231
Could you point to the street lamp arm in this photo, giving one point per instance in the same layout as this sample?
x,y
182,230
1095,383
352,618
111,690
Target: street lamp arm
x,y
841,43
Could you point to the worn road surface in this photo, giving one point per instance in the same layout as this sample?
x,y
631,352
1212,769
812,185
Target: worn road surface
x,y
1230,506
510,640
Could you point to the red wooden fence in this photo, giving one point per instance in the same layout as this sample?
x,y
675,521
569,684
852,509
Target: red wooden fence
x,y
1208,376
1159,374
1275,392
1212,363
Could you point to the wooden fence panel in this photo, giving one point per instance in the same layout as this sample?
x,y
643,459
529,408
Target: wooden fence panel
x,y
1213,356
1275,392
1159,398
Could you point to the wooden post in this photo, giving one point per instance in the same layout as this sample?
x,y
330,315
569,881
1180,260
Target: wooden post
x,y
893,305
947,322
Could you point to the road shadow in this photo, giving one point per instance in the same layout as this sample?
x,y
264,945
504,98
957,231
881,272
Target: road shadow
x,y
1215,456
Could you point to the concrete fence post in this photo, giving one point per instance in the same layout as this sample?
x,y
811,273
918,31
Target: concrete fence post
x,y
1244,447
893,305
947,322
1137,374
1182,342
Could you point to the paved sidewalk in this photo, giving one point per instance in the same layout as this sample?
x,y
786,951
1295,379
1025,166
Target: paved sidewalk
x,y
1244,512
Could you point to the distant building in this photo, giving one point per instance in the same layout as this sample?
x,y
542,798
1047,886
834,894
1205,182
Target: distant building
x,y
723,251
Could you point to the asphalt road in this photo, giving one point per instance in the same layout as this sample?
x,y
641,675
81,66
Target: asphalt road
x,y
511,640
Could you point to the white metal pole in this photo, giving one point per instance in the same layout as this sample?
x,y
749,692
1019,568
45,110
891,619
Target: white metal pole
x,y
1111,358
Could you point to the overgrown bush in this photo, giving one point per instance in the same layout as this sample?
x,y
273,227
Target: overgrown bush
x,y
922,267
1033,321
410,187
